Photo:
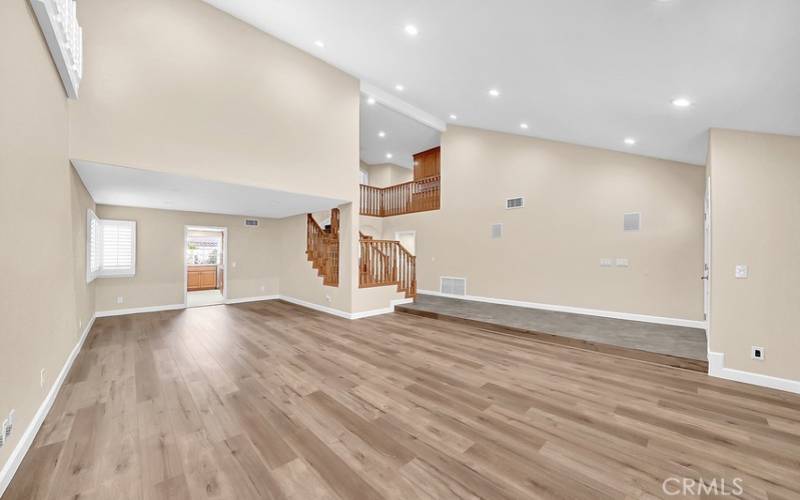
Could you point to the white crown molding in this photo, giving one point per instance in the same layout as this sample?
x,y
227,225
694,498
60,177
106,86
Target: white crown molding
x,y
24,444
393,102
659,320
716,368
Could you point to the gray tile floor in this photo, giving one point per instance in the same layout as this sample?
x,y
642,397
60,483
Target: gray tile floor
x,y
663,339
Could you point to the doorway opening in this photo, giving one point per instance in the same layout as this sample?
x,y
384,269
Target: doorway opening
x,y
205,265
408,239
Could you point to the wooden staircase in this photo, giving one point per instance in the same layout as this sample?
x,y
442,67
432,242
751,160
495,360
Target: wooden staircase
x,y
386,262
322,248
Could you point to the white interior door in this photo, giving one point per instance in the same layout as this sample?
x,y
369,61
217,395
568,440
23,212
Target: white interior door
x,y
408,239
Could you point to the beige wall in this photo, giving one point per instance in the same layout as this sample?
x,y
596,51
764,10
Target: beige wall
x,y
575,198
298,279
387,174
754,213
179,86
159,276
44,300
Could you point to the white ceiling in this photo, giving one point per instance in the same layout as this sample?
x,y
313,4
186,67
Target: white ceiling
x,y
404,136
130,187
583,71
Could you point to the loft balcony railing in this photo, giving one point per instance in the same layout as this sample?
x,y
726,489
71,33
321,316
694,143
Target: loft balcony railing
x,y
406,198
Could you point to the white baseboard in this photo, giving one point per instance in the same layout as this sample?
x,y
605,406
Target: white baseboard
x,y
576,310
317,307
716,368
24,444
299,302
137,310
378,312
242,300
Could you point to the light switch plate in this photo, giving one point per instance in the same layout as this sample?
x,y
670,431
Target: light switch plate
x,y
622,262
741,271
606,262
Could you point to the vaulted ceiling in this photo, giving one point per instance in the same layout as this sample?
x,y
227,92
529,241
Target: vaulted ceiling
x,y
591,72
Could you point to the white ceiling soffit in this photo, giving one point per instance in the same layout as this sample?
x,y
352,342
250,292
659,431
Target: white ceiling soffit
x,y
579,71
131,187
402,137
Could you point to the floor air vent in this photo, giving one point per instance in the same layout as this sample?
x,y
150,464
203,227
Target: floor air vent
x,y
453,286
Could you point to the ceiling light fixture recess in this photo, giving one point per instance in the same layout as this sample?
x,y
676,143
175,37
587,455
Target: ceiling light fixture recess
x,y
399,88
494,92
453,117
681,102
370,100
411,30
381,134
320,44
630,141
389,156
523,126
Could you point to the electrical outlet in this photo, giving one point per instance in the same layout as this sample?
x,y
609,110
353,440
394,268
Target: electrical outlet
x,y
605,262
757,353
263,288
328,298
80,324
120,299
3,433
42,377
621,262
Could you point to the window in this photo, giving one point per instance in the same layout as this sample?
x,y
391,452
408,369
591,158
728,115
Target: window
x,y
203,251
110,248
92,246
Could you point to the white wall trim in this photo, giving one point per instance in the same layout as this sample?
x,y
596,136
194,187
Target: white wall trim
x,y
242,300
25,441
317,307
395,103
576,310
377,312
716,368
137,310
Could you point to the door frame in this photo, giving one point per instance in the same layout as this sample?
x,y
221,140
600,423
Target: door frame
x,y
706,277
197,227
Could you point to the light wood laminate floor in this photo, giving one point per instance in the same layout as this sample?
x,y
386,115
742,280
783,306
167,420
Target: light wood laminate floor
x,y
270,400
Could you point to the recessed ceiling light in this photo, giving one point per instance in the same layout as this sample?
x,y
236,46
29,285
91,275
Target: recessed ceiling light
x,y
681,102
630,141
411,30
399,88
494,92
320,44
453,117
523,125
381,134
388,155
370,100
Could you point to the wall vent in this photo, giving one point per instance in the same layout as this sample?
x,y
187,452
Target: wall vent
x,y
453,286
632,221
497,231
251,222
517,202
